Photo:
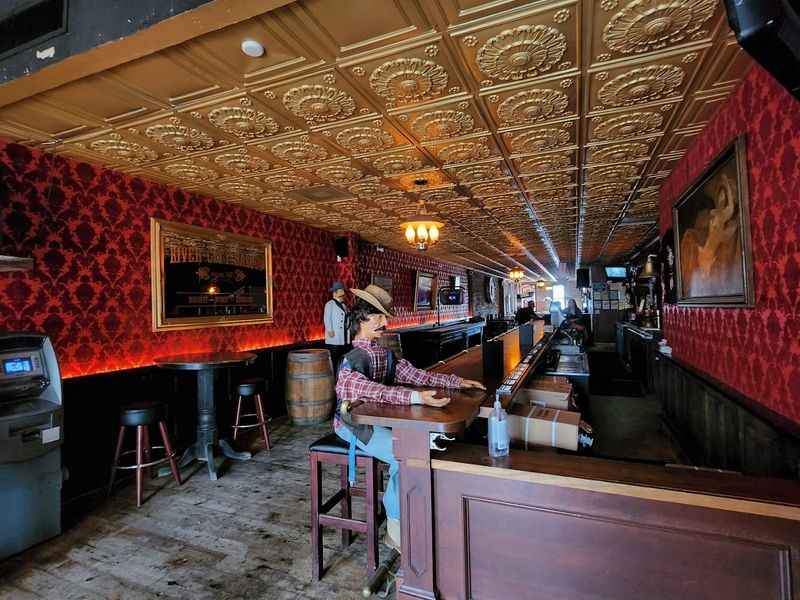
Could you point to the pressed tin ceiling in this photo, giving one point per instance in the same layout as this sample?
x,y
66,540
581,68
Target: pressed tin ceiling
x,y
539,131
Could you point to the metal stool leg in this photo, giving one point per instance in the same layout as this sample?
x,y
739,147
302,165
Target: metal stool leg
x,y
347,506
262,419
316,530
162,426
146,450
140,429
373,550
120,439
238,416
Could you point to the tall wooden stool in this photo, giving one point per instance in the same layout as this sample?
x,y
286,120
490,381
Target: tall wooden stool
x,y
142,415
331,449
251,388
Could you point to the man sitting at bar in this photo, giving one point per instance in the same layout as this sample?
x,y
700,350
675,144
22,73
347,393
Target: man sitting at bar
x,y
369,373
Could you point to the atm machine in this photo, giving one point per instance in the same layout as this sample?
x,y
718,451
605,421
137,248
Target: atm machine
x,y
31,434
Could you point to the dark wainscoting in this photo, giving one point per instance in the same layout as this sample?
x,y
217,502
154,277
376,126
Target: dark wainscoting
x,y
91,409
717,427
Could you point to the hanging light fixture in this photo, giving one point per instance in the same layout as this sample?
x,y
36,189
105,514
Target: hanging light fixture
x,y
422,231
516,274
540,283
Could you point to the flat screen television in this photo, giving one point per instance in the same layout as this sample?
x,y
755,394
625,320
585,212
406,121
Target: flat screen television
x,y
616,272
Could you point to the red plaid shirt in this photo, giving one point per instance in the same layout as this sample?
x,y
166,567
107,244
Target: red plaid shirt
x,y
352,385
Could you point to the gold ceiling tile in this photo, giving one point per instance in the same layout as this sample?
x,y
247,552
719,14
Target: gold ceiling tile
x,y
241,162
394,164
241,188
438,195
190,171
462,152
644,26
531,106
339,174
441,124
544,163
607,190
540,140
319,103
492,188
299,152
484,172
363,139
615,153
242,121
409,80
553,180
368,188
178,136
115,147
642,84
420,180
285,182
524,51
612,173
626,125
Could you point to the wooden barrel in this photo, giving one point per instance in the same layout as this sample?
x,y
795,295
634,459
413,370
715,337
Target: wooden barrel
x,y
392,342
310,394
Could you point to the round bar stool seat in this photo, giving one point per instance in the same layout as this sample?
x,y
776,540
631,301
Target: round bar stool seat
x,y
141,413
252,388
333,444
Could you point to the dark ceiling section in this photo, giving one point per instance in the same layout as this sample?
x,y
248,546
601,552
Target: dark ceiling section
x,y
30,28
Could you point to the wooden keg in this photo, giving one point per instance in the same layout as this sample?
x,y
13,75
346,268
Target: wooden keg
x,y
392,342
310,394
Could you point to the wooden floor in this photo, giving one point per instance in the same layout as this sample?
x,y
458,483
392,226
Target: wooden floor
x,y
243,536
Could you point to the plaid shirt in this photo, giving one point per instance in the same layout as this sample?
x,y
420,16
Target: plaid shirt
x,y
352,385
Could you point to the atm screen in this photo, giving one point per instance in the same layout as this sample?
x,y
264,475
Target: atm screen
x,y
12,366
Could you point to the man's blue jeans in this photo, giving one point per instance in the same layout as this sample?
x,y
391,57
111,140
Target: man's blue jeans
x,y
380,447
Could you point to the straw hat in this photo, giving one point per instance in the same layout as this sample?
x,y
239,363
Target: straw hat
x,y
377,297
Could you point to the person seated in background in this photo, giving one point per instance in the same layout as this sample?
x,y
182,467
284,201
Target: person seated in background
x,y
572,312
526,313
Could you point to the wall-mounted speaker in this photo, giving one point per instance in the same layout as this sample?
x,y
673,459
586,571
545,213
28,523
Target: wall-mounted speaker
x,y
769,30
582,278
340,243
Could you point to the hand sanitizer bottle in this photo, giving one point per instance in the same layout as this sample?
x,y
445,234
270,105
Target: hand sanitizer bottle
x,y
498,431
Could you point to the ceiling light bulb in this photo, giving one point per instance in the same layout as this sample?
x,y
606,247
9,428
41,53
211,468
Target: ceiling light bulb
x,y
422,233
433,232
410,235
252,48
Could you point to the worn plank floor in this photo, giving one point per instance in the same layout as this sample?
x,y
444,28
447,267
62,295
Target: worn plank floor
x,y
243,536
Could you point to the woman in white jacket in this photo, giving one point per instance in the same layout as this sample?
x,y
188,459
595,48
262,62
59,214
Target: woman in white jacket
x,y
337,331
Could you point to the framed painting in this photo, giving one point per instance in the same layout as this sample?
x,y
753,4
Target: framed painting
x,y
383,281
207,278
711,220
425,291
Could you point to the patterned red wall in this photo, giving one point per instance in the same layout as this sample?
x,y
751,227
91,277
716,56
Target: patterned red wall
x,y
756,351
402,268
88,229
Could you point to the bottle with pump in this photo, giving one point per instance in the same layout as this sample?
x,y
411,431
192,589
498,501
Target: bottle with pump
x,y
498,431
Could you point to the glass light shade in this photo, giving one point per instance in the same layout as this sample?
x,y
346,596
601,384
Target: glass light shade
x,y
411,235
433,232
422,232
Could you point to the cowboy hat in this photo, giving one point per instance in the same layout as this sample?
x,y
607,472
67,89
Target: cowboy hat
x,y
377,297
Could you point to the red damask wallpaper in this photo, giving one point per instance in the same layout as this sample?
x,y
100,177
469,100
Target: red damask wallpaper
x,y
756,351
88,229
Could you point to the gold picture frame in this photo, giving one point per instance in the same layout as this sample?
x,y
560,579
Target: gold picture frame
x,y
173,244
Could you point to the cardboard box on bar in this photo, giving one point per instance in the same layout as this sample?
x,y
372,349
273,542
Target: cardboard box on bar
x,y
544,398
553,383
535,425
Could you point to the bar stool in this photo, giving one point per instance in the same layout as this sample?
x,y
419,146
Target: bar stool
x,y
331,449
251,388
142,415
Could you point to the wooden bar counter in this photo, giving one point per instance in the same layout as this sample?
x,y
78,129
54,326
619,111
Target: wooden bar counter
x,y
546,524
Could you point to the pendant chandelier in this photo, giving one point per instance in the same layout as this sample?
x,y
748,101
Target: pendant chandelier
x,y
516,274
422,231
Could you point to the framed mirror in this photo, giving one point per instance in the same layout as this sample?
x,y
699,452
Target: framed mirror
x,y
207,278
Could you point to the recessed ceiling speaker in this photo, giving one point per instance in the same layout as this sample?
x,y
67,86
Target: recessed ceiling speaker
x,y
340,243
769,30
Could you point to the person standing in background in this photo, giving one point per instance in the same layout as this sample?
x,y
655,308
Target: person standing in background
x,y
336,319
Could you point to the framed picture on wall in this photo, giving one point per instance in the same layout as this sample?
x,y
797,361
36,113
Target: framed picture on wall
x,y
208,278
383,281
425,291
712,235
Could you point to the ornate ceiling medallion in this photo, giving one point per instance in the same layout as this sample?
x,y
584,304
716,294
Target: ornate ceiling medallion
x,y
299,152
115,147
242,163
368,188
555,180
319,103
492,188
286,182
393,164
644,25
339,174
439,124
464,152
540,140
241,188
364,139
627,125
438,195
190,171
532,106
642,84
179,136
620,153
608,190
408,80
478,173
525,51
242,122
544,164
614,173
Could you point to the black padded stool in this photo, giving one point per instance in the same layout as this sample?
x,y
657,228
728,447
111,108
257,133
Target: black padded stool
x,y
142,415
251,388
331,449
